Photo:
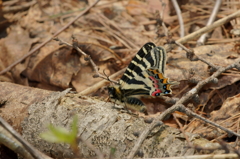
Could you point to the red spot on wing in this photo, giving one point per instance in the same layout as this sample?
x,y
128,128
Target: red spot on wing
x,y
155,83
156,91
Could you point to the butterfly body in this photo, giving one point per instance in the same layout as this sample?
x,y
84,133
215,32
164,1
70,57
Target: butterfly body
x,y
143,77
131,102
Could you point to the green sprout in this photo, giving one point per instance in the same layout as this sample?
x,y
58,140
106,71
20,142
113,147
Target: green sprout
x,y
58,134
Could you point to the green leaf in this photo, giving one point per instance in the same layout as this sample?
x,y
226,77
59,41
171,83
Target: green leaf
x,y
61,134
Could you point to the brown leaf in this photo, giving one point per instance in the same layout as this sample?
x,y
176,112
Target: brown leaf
x,y
102,56
12,48
53,65
135,7
98,53
227,116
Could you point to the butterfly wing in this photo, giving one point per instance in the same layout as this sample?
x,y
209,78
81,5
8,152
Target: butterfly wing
x,y
144,76
160,84
155,84
138,81
138,64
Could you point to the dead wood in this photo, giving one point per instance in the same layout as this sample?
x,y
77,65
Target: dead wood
x,y
99,123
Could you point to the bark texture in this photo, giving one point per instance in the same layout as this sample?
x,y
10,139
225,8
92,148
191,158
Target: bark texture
x,y
100,124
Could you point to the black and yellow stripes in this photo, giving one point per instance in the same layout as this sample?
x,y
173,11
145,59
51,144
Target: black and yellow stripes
x,y
138,63
149,56
158,54
144,76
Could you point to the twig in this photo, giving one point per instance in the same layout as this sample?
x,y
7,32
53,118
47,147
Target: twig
x,y
207,62
143,135
86,57
9,3
120,31
160,20
206,29
182,130
9,141
35,153
100,84
185,110
191,54
109,31
238,131
228,148
49,39
18,8
180,107
98,38
161,12
180,19
169,100
213,156
122,38
203,38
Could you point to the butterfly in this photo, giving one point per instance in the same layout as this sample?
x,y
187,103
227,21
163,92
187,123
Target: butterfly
x,y
143,77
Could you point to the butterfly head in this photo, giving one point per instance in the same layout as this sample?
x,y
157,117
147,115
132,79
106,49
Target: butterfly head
x,y
115,92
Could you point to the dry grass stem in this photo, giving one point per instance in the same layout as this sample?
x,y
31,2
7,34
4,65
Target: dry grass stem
x,y
48,40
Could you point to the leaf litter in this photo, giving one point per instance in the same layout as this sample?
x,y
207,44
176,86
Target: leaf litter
x,y
115,30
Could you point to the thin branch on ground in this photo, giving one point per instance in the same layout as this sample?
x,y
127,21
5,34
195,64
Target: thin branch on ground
x,y
194,57
48,40
180,107
179,15
9,141
34,153
160,21
101,84
112,23
219,156
169,100
182,130
86,57
123,38
181,40
202,39
206,29
188,112
238,131
161,13
17,8
222,146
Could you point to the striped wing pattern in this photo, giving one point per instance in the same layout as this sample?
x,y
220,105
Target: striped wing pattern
x,y
144,76
136,79
138,64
